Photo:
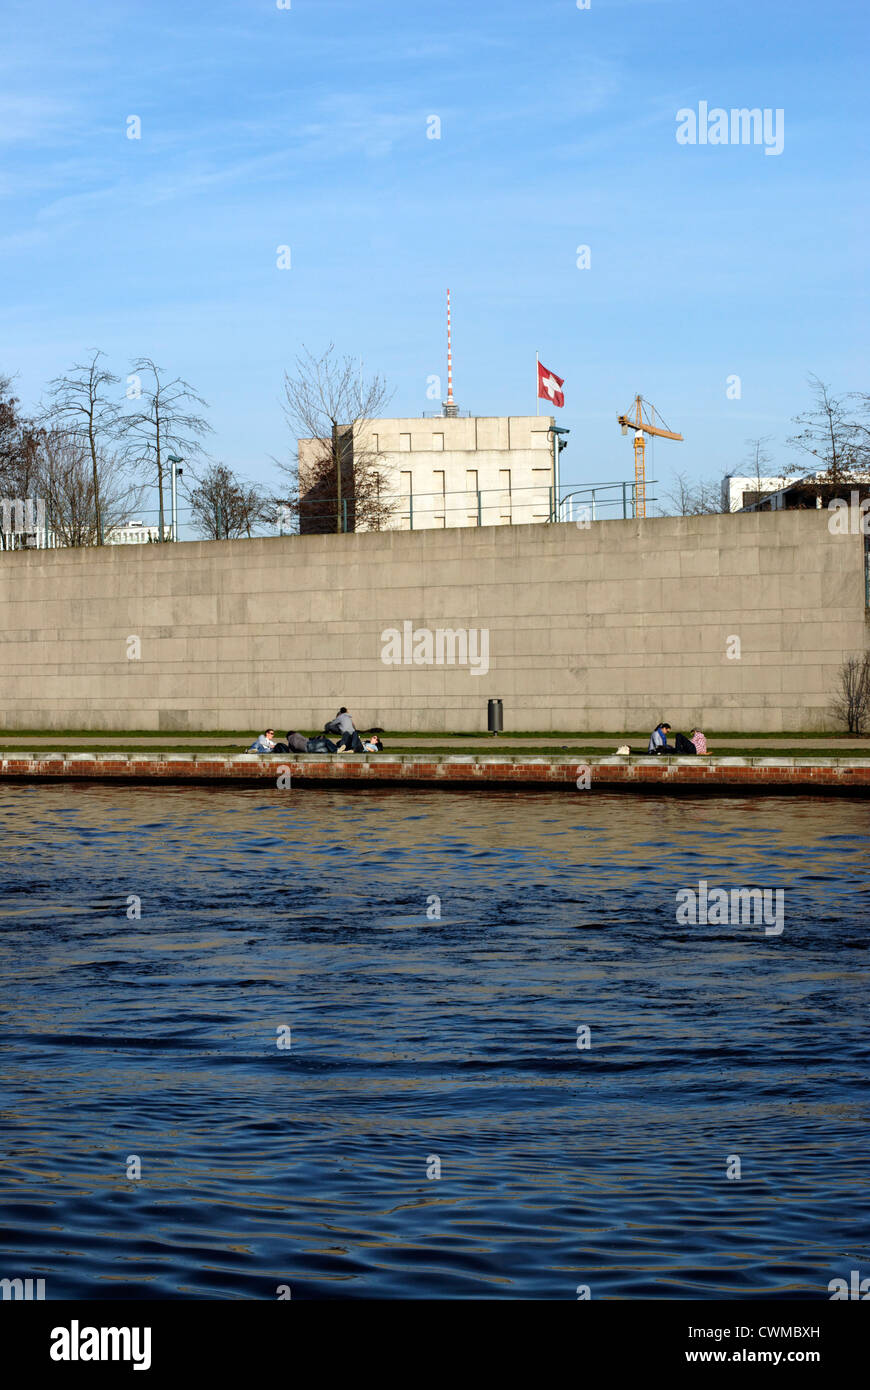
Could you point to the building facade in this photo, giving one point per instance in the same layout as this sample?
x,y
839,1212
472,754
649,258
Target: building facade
x,y
451,470
136,533
741,490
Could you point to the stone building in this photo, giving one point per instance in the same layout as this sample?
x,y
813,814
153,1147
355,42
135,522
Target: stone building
x,y
449,470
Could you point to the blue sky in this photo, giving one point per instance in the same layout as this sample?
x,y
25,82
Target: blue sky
x,y
307,127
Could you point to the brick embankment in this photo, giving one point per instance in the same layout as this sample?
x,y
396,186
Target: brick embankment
x,y
825,775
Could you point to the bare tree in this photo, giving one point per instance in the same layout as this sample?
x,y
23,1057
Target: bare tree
x,y
756,467
758,459
66,481
862,429
375,497
81,404
692,499
852,700
19,446
225,506
164,424
336,472
829,435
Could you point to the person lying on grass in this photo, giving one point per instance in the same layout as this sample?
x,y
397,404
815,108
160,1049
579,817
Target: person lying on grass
x,y
266,744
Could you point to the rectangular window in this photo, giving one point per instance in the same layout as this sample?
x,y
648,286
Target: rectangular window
x,y
473,518
406,499
405,443
439,496
504,480
375,443
542,495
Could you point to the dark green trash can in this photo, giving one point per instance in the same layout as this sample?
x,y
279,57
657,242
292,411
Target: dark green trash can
x,y
494,716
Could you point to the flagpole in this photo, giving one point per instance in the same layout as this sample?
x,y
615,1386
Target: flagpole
x,y
537,386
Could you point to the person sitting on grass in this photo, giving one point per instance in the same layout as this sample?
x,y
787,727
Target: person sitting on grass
x,y
699,741
344,725
658,739
685,747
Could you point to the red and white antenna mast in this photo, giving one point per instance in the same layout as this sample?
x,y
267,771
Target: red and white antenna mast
x,y
449,406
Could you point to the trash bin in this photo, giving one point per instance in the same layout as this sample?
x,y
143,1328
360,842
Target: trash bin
x,y
494,716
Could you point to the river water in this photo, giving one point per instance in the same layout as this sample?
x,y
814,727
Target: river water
x,y
421,1042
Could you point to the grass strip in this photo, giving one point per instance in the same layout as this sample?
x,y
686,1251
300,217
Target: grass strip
x,y
478,750
244,736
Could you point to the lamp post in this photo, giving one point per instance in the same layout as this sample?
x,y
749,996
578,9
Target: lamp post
x,y
176,474
558,445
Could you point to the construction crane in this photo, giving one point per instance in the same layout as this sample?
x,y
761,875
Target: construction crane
x,y
643,422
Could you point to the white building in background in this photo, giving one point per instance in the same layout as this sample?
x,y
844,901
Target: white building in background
x,y
466,470
740,491
460,470
23,527
135,533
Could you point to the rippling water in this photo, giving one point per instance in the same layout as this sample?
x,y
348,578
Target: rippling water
x,y
415,1038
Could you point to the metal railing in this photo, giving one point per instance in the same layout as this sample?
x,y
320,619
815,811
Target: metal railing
x,y
481,507
412,511
600,501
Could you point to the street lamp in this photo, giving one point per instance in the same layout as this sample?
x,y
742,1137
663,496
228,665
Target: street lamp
x,y
176,474
558,445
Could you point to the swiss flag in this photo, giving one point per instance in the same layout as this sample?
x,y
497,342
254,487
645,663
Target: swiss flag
x,y
550,386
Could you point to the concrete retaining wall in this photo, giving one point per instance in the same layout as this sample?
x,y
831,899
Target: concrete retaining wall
x,y
606,628
752,775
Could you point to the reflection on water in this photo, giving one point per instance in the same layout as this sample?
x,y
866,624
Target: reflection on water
x,y
416,1037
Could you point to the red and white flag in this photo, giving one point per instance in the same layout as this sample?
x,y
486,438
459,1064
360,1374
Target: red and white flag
x,y
550,386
